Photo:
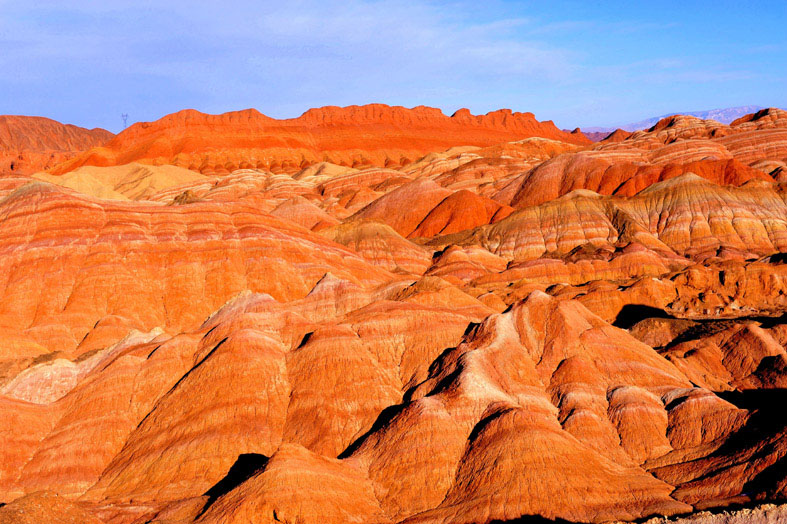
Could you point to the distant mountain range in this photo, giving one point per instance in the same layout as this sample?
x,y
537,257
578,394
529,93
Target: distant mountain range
x,y
725,116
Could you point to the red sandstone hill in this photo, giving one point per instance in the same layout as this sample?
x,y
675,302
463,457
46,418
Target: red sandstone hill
x,y
596,136
31,143
371,135
530,328
617,135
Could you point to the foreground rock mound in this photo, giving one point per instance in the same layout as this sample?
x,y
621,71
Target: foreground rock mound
x,y
45,507
765,514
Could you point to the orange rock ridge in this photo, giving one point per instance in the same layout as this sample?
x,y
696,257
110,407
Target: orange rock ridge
x,y
29,144
511,323
371,135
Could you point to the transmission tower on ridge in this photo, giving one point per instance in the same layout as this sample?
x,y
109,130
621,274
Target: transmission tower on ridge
x,y
124,116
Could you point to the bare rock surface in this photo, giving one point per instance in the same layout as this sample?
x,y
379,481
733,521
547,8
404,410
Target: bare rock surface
x,y
373,314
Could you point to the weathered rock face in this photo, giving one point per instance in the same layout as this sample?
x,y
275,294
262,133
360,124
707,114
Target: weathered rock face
x,y
29,144
749,219
460,211
608,174
45,507
155,265
492,331
628,163
764,514
374,134
127,182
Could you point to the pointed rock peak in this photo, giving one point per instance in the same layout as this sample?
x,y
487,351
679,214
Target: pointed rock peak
x,y
330,284
242,302
430,283
682,121
538,296
617,135
762,113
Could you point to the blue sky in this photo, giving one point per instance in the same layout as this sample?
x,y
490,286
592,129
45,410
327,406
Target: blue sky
x,y
579,63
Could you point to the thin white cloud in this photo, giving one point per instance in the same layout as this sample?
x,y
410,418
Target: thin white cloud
x,y
151,57
355,47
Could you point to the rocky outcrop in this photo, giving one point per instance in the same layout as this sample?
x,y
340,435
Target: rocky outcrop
x,y
156,265
29,144
765,514
45,507
127,182
519,330
371,135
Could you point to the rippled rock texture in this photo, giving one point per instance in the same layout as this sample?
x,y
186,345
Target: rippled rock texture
x,y
380,315
370,135
29,144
